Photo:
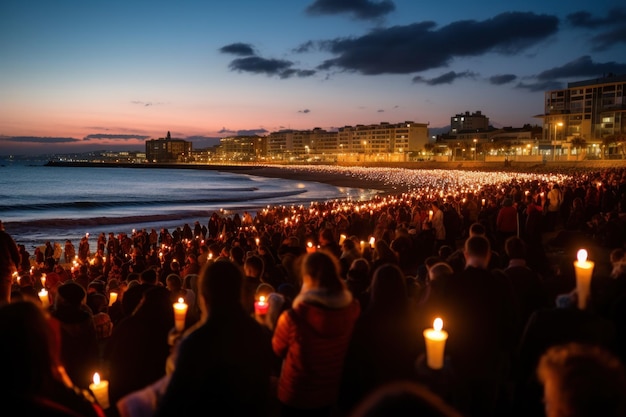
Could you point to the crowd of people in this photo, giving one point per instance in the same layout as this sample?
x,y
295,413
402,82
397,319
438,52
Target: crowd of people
x,y
350,286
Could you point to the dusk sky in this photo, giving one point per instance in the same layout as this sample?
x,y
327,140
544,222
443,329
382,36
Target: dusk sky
x,y
78,76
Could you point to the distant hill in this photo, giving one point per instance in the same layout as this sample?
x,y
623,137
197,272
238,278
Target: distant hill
x,y
434,131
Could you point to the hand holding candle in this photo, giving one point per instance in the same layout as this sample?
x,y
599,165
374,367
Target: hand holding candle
x,y
435,344
180,314
584,270
261,306
309,247
100,390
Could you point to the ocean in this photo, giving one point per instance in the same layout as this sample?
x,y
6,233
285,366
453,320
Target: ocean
x,y
40,203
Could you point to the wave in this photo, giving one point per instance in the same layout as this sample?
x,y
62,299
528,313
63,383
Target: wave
x,y
239,196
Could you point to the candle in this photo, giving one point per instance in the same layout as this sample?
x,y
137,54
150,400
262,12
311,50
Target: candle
x,y
435,344
100,390
372,241
45,298
309,247
362,244
584,270
261,306
341,239
430,215
483,201
180,313
43,280
112,298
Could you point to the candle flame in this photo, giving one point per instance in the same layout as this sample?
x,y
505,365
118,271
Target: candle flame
x,y
309,244
582,256
262,299
96,378
181,300
438,324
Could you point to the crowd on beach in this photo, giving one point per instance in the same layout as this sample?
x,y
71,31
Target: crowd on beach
x,y
346,289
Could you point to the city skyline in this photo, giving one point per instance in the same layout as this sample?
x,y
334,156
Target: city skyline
x,y
78,77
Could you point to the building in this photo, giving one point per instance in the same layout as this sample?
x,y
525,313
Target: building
x,y
468,122
168,150
383,142
586,119
241,148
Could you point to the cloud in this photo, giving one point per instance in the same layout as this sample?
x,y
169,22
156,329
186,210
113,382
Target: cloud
x,y
446,78
380,111
203,141
612,27
360,9
582,67
238,48
97,136
419,46
250,132
145,103
38,139
502,79
540,86
584,19
304,111
271,67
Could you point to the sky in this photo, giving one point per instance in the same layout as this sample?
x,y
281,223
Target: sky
x,y
78,76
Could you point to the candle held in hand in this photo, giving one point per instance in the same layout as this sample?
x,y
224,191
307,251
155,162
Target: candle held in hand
x,y
100,390
112,298
45,298
584,270
261,306
180,314
435,344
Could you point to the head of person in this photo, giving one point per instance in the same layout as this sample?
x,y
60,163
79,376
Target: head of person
x,y
321,270
220,287
477,229
477,251
253,266
582,380
440,272
28,348
148,276
515,248
388,288
70,294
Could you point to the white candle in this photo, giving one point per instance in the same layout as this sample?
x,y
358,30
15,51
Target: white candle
x,y
45,298
112,298
43,280
372,241
435,344
430,215
341,239
584,270
180,313
100,390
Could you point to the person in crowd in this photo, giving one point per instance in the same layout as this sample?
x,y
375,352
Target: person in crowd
x,y
9,263
384,344
581,380
438,226
226,362
506,222
138,346
312,339
79,341
132,296
33,379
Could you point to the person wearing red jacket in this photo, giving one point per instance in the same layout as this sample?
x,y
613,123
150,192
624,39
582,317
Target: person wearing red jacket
x,y
313,337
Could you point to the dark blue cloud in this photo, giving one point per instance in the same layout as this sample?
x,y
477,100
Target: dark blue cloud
x,y
98,136
502,79
38,139
360,9
239,48
447,78
420,46
582,67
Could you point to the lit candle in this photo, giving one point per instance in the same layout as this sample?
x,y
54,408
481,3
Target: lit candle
x,y
45,298
435,344
261,306
180,313
362,246
100,390
483,201
584,270
341,239
372,241
43,280
309,247
430,215
112,298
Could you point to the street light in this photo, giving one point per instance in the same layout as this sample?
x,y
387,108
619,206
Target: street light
x,y
475,149
554,142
